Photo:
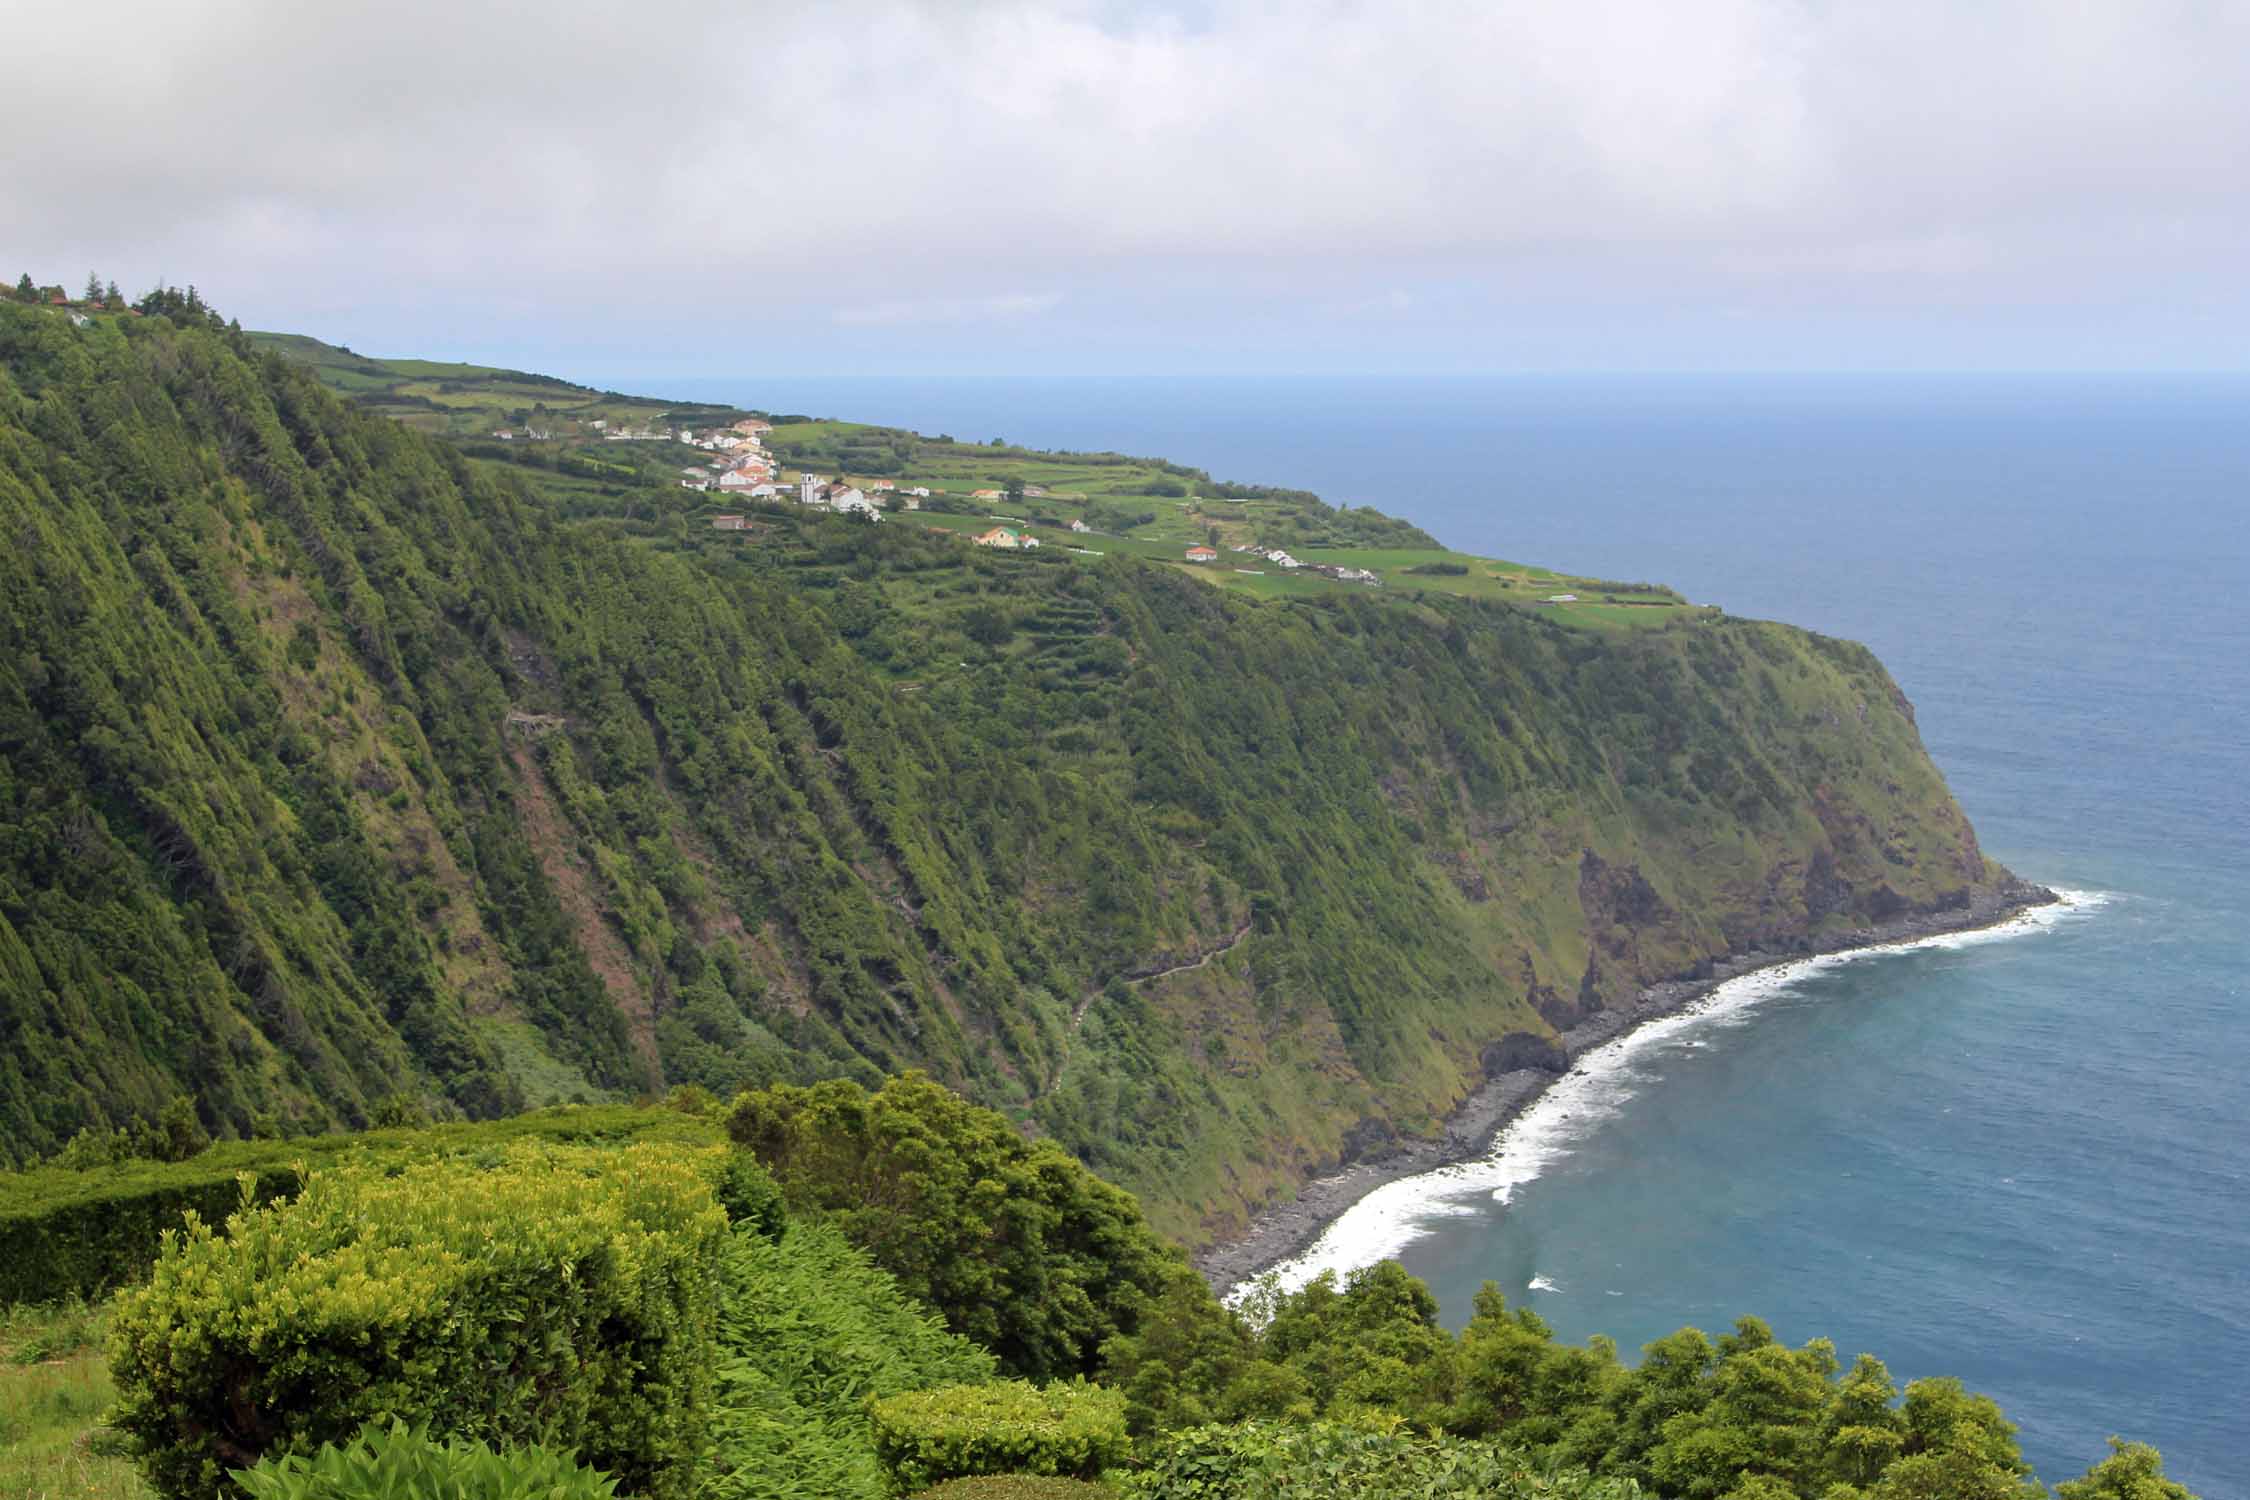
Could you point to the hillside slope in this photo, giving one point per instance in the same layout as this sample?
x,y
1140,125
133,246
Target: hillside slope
x,y
334,764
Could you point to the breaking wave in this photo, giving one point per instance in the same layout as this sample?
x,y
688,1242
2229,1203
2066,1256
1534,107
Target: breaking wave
x,y
1396,1214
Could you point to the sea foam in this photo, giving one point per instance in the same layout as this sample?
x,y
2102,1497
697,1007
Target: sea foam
x,y
1395,1215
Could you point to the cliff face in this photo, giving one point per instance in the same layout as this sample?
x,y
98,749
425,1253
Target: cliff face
x,y
333,766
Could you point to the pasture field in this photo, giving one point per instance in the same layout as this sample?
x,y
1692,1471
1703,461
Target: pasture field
x,y
54,1392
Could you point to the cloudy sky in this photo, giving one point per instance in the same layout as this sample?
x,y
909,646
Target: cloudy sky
x,y
671,187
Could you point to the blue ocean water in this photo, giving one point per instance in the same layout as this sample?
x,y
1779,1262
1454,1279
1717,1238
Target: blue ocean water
x,y
2023,1162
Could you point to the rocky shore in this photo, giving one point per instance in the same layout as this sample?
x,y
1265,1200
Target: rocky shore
x,y
1286,1229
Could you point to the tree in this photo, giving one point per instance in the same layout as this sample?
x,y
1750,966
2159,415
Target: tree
x,y
2133,1471
1012,490
93,287
1016,1244
112,296
176,1134
25,289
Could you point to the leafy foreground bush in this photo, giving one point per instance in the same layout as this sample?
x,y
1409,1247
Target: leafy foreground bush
x,y
402,1463
1075,1431
560,1296
1017,1487
809,1331
1267,1461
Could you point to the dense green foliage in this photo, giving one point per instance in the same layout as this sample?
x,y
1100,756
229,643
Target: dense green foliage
x,y
1279,1461
1017,1487
1071,1431
1697,1418
76,1231
554,1295
1020,1247
395,1462
809,1330
338,774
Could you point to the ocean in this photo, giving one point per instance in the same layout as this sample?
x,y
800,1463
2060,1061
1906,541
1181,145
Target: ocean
x,y
2023,1160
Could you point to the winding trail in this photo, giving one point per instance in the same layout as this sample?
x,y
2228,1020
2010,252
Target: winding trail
x,y
1086,1001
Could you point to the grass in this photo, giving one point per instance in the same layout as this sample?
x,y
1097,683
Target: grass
x,y
54,1390
638,486
470,400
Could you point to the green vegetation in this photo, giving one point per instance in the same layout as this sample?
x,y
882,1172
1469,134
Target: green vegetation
x,y
1067,1431
574,1298
552,1295
395,1462
1016,1487
81,1230
353,777
1279,1461
474,401
1018,1246
809,1331
55,1391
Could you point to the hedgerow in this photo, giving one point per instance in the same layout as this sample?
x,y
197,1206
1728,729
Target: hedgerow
x,y
563,1296
66,1232
1073,1431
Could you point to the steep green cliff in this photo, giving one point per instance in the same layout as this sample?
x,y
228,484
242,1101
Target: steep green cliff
x,y
335,764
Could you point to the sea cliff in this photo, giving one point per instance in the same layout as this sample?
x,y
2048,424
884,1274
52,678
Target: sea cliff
x,y
347,769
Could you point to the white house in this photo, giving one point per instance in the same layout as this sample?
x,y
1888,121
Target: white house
x,y
737,479
853,502
1078,525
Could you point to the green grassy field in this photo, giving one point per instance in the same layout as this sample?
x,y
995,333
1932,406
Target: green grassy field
x,y
54,1390
469,400
1139,507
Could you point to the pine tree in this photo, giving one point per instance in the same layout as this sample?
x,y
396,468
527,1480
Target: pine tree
x,y
113,296
25,289
93,287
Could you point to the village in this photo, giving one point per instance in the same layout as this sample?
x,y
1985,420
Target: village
x,y
741,466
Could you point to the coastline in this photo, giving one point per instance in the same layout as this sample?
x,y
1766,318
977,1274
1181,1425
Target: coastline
x,y
1282,1231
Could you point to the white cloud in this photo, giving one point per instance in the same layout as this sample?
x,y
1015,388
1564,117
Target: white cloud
x,y
877,165
1008,306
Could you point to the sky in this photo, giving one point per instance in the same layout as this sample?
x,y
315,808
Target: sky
x,y
932,187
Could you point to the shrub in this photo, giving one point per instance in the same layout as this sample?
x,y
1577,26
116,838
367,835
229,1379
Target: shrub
x,y
551,1295
78,1233
809,1329
1018,1245
403,1463
91,1222
1267,1461
1017,1487
1075,1431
